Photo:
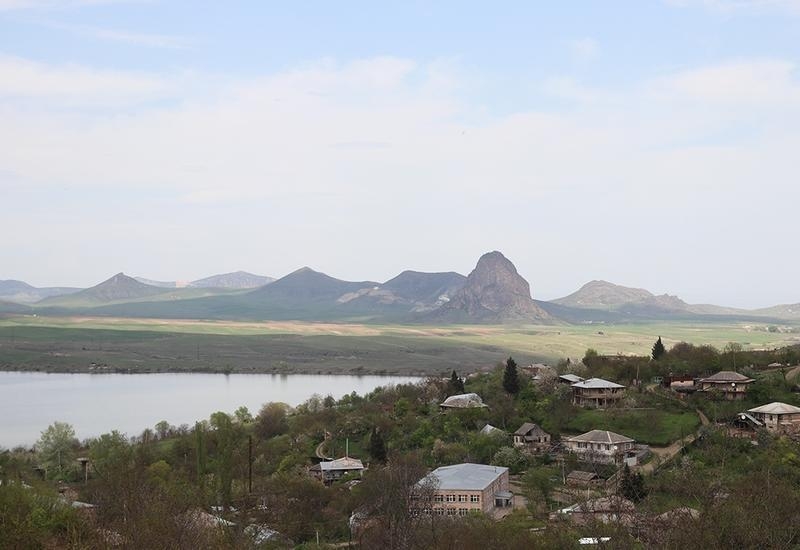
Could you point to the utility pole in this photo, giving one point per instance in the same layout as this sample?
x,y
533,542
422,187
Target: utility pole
x,y
250,464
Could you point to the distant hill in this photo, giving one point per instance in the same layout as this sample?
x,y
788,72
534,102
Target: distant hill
x,y
118,288
493,293
23,293
235,280
603,295
783,311
411,291
637,303
12,307
160,284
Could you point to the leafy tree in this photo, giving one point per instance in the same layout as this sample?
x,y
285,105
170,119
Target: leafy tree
x,y
55,447
271,420
456,385
163,429
590,357
511,377
377,446
658,349
243,415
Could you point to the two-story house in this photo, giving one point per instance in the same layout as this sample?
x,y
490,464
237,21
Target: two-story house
x,y
731,385
600,446
596,392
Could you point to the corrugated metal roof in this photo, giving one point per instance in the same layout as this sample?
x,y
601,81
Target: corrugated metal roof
x,y
463,401
597,383
727,376
776,408
467,477
571,378
344,463
600,436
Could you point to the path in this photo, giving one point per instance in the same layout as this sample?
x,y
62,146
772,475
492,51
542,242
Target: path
x,y
319,453
663,454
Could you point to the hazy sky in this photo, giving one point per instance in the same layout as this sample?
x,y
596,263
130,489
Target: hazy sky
x,y
650,143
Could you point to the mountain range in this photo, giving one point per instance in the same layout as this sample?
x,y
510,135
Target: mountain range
x,y
494,292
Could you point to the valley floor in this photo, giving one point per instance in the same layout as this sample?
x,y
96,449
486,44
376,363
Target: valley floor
x,y
99,344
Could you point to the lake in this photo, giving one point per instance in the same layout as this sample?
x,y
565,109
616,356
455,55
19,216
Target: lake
x,y
98,403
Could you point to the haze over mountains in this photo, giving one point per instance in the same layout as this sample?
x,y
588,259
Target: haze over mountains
x,y
494,292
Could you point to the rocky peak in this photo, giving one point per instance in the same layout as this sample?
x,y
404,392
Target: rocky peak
x,y
494,292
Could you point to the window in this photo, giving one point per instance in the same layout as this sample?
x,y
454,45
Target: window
x,y
451,511
475,498
463,511
438,511
438,498
462,498
451,498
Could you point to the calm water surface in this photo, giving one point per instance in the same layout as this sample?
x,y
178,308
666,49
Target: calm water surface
x,y
98,403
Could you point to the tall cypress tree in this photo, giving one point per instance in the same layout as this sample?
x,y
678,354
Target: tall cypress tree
x,y
511,377
456,383
658,349
377,446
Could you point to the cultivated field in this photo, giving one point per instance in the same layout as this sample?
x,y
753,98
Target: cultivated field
x,y
97,344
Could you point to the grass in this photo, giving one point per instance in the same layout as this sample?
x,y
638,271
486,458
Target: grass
x,y
153,345
656,427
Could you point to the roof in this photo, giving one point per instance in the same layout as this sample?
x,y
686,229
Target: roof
x,y
580,475
463,401
344,463
600,436
747,416
776,408
529,427
727,376
597,383
612,503
488,429
571,378
467,477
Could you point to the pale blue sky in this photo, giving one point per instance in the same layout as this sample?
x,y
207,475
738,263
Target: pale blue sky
x,y
649,143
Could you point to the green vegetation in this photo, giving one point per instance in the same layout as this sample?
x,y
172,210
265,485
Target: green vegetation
x,y
657,427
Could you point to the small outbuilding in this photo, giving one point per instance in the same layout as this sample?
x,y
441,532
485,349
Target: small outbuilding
x,y
732,385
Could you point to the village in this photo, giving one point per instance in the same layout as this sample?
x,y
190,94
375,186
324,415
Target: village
x,y
549,454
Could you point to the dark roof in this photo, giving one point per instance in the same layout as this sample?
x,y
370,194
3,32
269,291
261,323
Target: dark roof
x,y
528,428
724,376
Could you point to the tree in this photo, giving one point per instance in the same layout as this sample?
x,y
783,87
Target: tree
x,y
456,385
163,429
631,486
55,446
658,349
243,415
511,377
271,420
377,446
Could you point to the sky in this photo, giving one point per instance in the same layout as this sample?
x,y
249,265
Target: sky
x,y
652,144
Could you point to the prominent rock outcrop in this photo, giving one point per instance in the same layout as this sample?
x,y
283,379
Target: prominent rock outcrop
x,y
494,293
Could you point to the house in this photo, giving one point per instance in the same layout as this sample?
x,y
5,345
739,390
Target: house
x,y
778,417
679,382
329,471
570,379
578,478
596,392
531,437
462,401
600,446
463,488
539,371
731,385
